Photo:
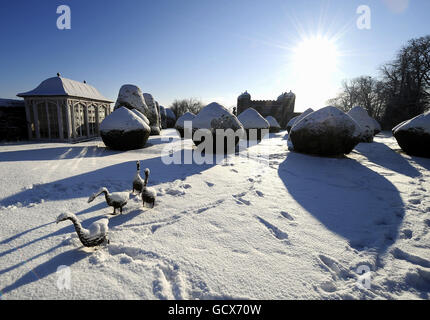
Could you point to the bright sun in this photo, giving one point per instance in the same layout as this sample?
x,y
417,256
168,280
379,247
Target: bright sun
x,y
315,68
316,56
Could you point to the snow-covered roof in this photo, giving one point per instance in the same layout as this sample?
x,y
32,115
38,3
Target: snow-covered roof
x,y
273,122
122,119
251,119
59,86
11,103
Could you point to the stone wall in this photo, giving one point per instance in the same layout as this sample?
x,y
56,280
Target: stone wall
x,y
282,110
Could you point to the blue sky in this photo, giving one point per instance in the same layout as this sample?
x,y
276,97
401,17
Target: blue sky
x,y
211,50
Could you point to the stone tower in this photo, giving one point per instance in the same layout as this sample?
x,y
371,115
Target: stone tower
x,y
243,102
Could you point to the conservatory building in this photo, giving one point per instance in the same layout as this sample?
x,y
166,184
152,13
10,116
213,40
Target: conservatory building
x,y
61,109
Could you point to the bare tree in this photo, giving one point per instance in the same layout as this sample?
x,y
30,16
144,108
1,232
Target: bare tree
x,y
179,107
407,81
363,91
403,91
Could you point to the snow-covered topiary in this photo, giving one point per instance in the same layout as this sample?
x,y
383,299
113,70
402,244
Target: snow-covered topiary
x,y
179,125
413,135
212,117
274,125
152,116
325,132
378,127
124,130
141,115
253,123
298,118
366,122
170,118
131,96
163,117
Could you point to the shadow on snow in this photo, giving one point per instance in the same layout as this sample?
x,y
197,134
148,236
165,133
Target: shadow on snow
x,y
346,197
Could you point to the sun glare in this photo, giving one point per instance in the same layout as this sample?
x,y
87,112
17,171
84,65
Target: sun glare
x,y
315,65
316,56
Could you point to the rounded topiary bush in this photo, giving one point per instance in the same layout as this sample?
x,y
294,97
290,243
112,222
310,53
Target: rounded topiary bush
x,y
218,123
124,130
413,135
325,132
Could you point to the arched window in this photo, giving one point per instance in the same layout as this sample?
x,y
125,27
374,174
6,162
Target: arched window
x,y
53,120
43,120
80,126
92,125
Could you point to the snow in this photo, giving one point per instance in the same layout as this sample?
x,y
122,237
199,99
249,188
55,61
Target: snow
x,y
328,116
59,86
251,119
272,122
140,115
295,120
187,116
122,119
132,96
419,123
267,224
212,111
363,119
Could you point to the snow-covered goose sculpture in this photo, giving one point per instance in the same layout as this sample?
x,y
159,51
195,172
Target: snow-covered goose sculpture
x,y
94,236
138,182
148,194
117,200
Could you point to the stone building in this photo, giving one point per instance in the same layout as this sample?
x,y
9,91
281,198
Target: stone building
x,y
282,109
61,109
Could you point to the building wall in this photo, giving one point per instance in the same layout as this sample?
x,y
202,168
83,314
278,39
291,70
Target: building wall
x,y
13,124
64,119
282,111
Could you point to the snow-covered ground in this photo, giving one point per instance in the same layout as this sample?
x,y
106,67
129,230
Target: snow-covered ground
x,y
273,225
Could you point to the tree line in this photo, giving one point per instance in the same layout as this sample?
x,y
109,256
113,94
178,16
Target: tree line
x,y
400,93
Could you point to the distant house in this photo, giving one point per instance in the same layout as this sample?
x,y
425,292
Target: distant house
x,y
13,125
62,109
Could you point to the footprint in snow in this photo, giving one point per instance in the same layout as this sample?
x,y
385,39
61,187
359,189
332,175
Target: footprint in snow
x,y
402,255
277,233
210,184
259,193
415,201
407,234
287,215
